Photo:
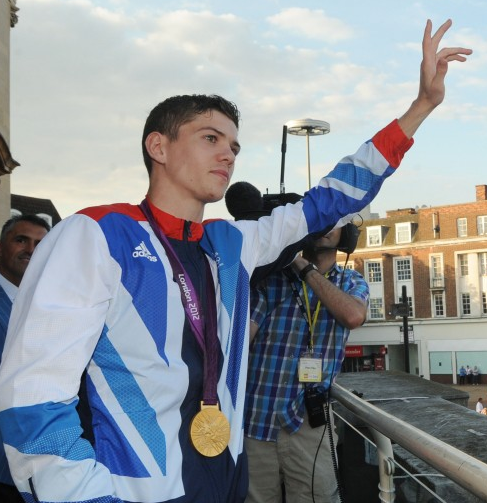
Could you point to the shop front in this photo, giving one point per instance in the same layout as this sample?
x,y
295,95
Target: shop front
x,y
359,358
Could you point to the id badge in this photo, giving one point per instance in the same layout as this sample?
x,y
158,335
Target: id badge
x,y
310,367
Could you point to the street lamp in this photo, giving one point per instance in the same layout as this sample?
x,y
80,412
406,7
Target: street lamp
x,y
308,127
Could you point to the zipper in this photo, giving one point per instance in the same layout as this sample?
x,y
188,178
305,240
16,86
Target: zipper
x,y
187,230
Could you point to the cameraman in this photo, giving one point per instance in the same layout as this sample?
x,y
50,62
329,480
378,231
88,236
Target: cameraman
x,y
301,319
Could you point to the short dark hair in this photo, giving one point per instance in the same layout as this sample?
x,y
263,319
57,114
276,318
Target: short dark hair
x,y
169,115
33,219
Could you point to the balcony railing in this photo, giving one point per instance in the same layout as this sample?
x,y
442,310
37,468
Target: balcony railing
x,y
465,470
437,283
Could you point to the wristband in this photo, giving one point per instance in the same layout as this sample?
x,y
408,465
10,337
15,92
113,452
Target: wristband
x,y
305,270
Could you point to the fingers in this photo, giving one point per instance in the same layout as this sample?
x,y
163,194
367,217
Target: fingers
x,y
436,38
454,53
441,70
427,35
455,57
440,31
434,41
431,43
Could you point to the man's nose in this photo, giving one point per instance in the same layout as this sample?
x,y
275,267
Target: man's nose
x,y
228,154
30,246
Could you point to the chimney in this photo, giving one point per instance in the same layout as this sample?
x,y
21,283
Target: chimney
x,y
481,192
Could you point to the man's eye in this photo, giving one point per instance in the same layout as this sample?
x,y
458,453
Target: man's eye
x,y
211,138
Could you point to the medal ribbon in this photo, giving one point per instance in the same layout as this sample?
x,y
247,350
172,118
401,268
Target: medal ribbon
x,y
204,333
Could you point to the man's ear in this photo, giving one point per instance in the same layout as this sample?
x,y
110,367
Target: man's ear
x,y
155,144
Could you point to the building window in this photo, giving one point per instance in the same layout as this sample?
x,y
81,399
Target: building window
x,y
483,264
374,236
403,269
403,279
376,308
436,271
466,303
436,266
438,305
461,227
403,232
482,225
374,272
463,264
484,303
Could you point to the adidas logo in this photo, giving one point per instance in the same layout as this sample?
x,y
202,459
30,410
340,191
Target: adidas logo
x,y
143,251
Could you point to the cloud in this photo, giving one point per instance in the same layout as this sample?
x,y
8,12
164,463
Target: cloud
x,y
85,78
312,24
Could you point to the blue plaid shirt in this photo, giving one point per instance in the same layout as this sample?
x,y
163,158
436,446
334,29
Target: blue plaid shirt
x,y
275,397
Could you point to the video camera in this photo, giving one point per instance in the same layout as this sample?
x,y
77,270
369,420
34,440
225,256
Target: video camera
x,y
245,202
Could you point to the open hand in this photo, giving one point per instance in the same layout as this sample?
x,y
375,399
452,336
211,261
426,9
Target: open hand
x,y
435,64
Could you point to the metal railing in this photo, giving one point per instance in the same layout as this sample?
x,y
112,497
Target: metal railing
x,y
465,470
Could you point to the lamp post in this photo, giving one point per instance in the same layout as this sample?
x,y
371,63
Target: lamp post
x,y
404,300
308,127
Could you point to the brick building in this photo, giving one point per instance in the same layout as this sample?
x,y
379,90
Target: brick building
x,y
438,257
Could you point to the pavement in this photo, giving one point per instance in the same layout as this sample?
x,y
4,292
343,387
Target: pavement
x,y
444,411
475,392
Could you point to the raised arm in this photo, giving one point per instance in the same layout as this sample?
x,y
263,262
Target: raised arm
x,y
357,178
432,77
348,309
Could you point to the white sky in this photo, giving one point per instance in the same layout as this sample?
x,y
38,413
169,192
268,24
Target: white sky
x,y
86,73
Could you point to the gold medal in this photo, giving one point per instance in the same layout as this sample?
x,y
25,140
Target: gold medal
x,y
210,431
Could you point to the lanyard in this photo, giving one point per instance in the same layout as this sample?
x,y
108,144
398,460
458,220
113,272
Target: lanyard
x,y
305,308
311,319
205,333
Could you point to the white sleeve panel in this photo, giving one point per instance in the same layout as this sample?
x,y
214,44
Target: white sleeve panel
x,y
271,234
58,315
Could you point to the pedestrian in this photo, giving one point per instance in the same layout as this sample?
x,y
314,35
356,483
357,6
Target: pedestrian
x,y
461,374
288,410
150,303
475,375
469,375
479,406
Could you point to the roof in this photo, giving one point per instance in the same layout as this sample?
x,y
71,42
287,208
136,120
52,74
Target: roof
x,y
34,205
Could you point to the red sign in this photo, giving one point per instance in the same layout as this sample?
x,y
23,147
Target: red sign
x,y
354,351
379,363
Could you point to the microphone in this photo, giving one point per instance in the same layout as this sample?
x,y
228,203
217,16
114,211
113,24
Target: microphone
x,y
244,201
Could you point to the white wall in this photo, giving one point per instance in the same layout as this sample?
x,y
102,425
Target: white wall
x,y
454,335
